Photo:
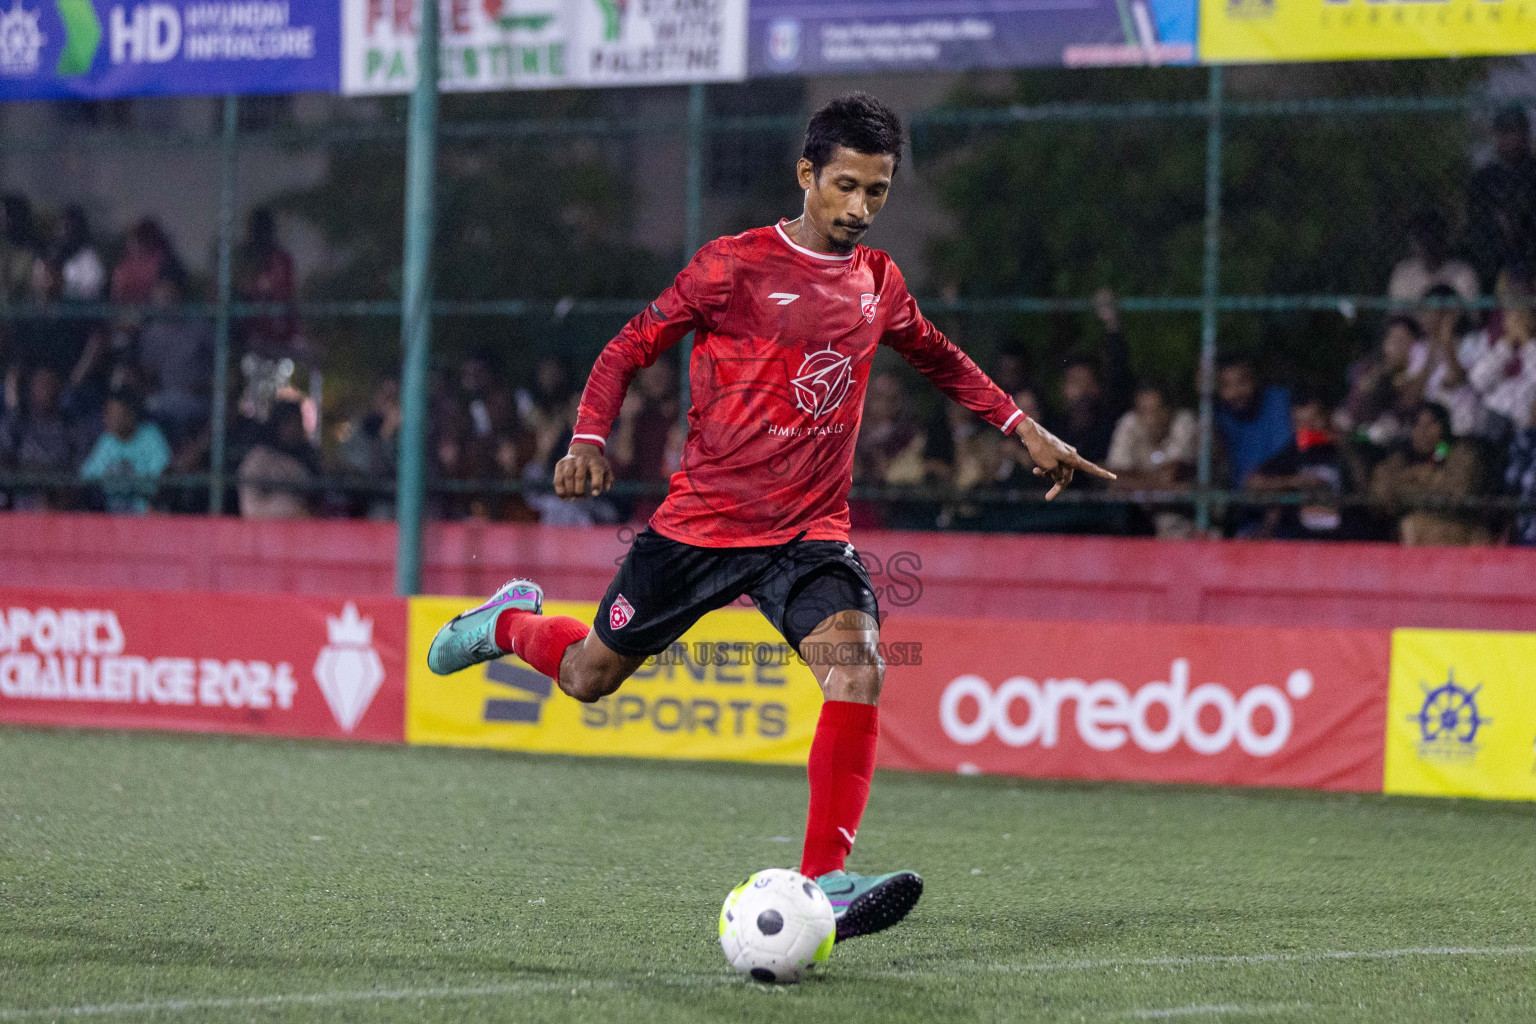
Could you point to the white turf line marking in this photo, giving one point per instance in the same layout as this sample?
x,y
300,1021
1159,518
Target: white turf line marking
x,y
518,987
323,998
1217,1008
1249,958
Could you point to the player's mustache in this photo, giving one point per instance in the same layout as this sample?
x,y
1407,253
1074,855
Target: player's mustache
x,y
852,225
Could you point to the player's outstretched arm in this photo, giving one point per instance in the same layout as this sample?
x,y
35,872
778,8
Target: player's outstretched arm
x,y
1053,457
583,473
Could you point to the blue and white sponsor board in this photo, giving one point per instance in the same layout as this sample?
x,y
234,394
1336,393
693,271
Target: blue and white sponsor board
x,y
96,49
822,37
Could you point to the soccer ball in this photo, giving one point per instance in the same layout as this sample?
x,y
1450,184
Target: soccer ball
x,y
776,925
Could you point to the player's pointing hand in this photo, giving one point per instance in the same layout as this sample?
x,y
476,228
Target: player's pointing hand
x,y
1053,457
583,473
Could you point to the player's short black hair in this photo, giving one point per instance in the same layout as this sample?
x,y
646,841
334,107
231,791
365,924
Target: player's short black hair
x,y
858,122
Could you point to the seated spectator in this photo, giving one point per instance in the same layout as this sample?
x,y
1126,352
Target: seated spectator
x,y
177,353
128,457
1452,350
1312,463
82,275
891,443
1092,397
648,421
1431,464
264,273
1520,481
19,249
1154,449
1254,425
1504,374
545,401
1428,263
1501,200
38,438
147,257
1009,371
1386,386
368,445
284,456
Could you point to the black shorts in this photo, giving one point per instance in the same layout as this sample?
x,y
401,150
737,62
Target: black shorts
x,y
665,586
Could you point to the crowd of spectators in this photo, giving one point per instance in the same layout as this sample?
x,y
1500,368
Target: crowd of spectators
x,y
96,408
1443,408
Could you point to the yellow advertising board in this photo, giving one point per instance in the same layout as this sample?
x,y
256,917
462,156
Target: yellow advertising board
x,y
1461,714
729,690
1282,30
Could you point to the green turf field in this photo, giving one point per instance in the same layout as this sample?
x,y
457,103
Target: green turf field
x,y
158,878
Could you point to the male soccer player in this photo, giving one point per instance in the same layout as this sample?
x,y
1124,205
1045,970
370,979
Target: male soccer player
x,y
786,321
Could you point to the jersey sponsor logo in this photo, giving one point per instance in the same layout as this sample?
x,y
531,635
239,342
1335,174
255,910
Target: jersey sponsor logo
x,y
784,298
868,302
620,613
823,382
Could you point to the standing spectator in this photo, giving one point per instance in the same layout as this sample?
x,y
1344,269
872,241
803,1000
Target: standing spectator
x,y
1505,373
264,273
285,456
1093,399
1312,463
177,353
1254,424
1432,464
1154,449
147,257
1428,263
1501,199
128,457
38,438
1386,386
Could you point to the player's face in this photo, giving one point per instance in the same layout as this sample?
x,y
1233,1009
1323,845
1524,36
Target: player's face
x,y
841,202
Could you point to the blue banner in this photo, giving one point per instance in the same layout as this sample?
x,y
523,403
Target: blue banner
x,y
823,37
99,49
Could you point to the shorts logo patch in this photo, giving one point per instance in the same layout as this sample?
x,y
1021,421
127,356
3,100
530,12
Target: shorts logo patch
x,y
867,304
620,613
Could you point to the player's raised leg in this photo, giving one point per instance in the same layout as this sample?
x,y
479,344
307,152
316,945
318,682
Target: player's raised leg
x,y
513,622
843,653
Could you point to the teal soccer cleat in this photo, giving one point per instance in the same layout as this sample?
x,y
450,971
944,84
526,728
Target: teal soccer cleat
x,y
470,637
865,904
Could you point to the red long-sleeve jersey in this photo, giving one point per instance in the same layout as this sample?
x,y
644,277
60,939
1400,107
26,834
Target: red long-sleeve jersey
x,y
784,338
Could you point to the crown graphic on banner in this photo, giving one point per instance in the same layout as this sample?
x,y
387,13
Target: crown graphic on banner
x,y
350,629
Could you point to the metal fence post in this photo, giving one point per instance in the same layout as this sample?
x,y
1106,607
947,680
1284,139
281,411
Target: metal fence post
x,y
1210,293
693,222
416,304
219,415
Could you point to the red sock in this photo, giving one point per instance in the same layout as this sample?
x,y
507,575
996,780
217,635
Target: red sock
x,y
540,640
841,766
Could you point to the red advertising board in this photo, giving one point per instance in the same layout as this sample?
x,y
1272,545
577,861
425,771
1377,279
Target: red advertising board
x,y
285,666
1224,705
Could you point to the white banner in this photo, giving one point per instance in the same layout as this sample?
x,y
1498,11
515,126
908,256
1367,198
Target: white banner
x,y
546,44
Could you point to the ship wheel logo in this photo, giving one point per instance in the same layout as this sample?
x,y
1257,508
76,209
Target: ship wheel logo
x,y
1449,713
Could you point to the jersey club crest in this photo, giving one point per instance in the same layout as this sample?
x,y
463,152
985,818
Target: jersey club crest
x,y
620,613
867,304
823,382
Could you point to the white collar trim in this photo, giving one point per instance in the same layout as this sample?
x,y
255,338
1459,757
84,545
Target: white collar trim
x,y
779,227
